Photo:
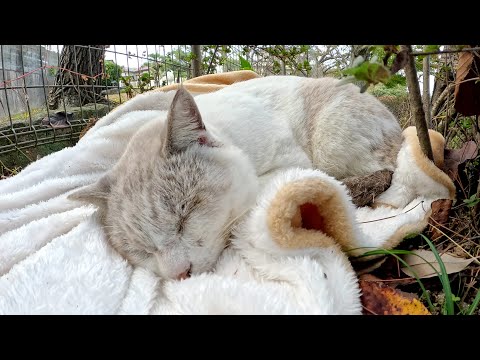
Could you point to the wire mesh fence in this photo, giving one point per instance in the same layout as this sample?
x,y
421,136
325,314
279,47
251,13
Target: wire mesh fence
x,y
48,93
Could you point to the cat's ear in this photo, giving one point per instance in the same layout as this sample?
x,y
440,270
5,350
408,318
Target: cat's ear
x,y
184,124
96,193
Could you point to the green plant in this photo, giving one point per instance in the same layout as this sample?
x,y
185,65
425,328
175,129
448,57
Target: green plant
x,y
128,88
466,123
177,61
384,90
112,73
472,201
244,64
473,306
144,82
449,297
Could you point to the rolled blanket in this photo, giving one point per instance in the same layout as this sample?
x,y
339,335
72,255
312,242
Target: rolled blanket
x,y
211,82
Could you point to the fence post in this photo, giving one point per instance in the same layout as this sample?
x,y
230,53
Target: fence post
x,y
197,60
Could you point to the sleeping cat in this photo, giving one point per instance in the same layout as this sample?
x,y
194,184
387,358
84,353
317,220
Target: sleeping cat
x,y
191,172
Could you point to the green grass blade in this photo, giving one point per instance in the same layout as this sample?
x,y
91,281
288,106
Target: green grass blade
x,y
395,253
449,305
474,304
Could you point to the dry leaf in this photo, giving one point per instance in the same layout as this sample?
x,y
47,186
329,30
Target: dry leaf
x,y
467,94
365,268
440,214
423,270
455,157
379,299
400,61
84,77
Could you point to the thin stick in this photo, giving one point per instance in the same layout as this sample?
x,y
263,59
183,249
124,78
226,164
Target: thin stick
x,y
445,51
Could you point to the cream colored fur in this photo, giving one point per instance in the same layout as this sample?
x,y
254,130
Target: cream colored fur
x,y
167,205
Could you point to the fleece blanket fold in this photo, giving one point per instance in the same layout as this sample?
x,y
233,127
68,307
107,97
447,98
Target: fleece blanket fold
x,y
212,82
288,255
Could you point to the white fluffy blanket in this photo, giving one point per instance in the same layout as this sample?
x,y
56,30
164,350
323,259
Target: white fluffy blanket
x,y
54,257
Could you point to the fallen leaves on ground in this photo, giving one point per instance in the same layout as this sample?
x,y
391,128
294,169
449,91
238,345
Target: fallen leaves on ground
x,y
455,157
380,299
423,268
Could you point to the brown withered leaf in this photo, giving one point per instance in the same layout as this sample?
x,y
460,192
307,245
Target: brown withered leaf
x,y
455,157
423,268
400,61
91,122
366,267
467,94
440,214
390,48
380,299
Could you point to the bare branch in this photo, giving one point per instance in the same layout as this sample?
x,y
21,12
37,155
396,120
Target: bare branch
x,y
416,104
441,98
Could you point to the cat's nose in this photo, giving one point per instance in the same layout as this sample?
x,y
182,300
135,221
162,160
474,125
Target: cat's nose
x,y
186,274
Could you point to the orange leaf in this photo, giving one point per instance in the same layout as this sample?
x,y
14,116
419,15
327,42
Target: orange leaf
x,y
379,299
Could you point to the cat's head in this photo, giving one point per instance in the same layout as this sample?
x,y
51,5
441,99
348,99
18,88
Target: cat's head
x,y
169,202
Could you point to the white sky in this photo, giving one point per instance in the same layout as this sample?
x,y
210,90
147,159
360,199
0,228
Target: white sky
x,y
136,50
121,50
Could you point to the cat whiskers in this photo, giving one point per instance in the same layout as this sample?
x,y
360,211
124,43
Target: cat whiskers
x,y
230,226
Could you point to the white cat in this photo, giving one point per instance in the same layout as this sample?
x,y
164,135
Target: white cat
x,y
191,172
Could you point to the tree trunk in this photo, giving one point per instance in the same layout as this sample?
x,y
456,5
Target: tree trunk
x,y
197,60
416,103
77,85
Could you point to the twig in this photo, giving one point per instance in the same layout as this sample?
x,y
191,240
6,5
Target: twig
x,y
50,67
211,59
390,217
7,168
17,148
445,51
370,311
449,238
